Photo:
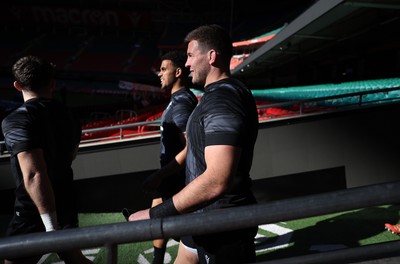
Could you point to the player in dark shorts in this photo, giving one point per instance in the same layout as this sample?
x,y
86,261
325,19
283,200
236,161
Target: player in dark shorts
x,y
211,124
42,138
221,134
170,179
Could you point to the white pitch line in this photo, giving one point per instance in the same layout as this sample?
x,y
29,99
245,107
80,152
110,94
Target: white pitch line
x,y
281,241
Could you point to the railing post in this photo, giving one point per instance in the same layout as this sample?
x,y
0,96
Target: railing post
x,y
112,253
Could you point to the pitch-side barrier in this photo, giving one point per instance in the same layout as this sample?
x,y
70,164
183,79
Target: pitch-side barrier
x,y
110,235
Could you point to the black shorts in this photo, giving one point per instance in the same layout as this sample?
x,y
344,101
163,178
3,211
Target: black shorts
x,y
188,242
227,247
27,223
24,224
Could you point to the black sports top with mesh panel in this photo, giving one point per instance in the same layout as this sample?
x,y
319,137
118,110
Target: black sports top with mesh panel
x,y
173,124
226,115
48,125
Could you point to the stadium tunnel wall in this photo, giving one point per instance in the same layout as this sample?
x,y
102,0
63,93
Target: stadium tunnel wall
x,y
293,157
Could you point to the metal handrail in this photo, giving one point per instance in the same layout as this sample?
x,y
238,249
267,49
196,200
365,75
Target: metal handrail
x,y
302,103
109,235
136,124
121,128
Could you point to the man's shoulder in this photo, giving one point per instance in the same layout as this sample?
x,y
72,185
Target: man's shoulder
x,y
14,116
227,84
185,95
185,92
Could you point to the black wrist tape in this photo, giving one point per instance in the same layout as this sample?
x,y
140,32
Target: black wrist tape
x,y
166,208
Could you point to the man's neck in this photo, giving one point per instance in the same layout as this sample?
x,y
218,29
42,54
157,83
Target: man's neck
x,y
176,87
29,95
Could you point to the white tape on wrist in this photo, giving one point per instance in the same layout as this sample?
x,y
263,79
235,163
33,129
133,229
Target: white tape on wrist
x,y
50,221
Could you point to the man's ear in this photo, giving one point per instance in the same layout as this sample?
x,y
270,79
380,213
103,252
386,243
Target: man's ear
x,y
212,56
17,86
178,72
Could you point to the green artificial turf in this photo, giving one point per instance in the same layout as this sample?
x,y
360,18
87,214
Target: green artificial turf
x,y
278,240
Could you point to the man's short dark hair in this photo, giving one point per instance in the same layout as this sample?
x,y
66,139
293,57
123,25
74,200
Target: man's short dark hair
x,y
212,37
33,73
178,59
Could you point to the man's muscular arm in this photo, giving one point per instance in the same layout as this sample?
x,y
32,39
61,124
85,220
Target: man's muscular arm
x,y
221,168
38,186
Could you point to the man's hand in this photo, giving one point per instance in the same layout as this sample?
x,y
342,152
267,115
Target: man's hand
x,y
140,215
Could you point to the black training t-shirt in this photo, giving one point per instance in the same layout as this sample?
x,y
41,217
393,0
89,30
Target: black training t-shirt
x,y
48,125
225,115
173,125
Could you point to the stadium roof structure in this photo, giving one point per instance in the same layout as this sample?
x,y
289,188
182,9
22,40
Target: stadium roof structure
x,y
259,39
318,39
326,31
151,26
